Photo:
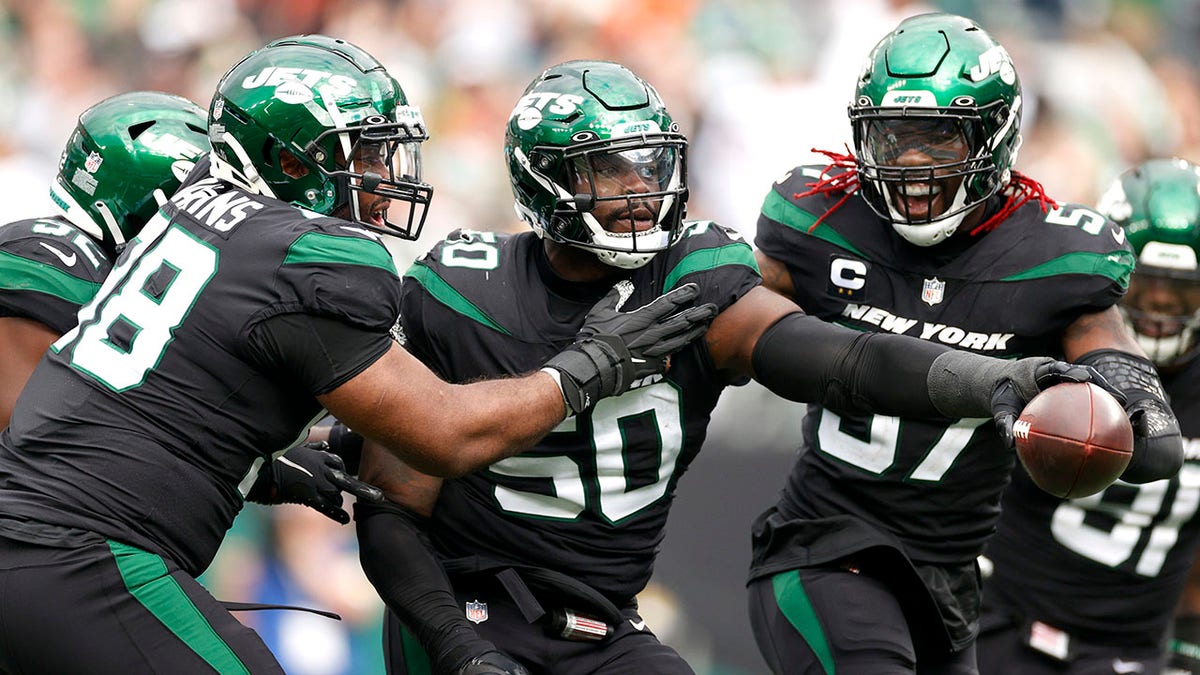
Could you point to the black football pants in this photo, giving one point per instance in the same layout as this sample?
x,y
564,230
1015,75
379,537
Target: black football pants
x,y
817,621
106,607
631,649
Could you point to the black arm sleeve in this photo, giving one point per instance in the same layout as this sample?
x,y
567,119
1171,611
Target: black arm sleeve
x,y
399,562
1157,441
318,353
802,358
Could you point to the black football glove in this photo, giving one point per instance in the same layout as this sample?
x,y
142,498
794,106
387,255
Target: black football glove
x,y
492,663
615,348
1028,378
309,476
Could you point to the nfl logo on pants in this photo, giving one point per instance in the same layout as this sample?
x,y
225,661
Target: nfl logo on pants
x,y
477,611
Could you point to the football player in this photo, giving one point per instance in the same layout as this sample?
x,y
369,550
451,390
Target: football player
x,y
126,155
112,178
257,297
547,551
867,562
1090,585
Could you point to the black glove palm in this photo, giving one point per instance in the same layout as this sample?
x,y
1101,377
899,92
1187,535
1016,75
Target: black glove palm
x,y
615,348
308,475
1029,378
492,663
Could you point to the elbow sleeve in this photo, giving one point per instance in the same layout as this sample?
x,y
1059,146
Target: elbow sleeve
x,y
802,358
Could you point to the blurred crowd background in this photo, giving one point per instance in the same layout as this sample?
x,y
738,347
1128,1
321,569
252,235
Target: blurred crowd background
x,y
756,85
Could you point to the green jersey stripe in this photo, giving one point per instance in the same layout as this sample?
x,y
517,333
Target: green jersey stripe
x,y
796,607
23,274
779,209
446,294
711,258
1117,265
145,575
318,247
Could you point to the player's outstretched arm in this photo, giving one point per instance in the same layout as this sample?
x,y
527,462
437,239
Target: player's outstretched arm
x,y
448,430
802,358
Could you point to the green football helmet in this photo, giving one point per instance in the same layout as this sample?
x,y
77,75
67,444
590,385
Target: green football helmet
x,y
127,155
941,85
343,120
591,144
1157,204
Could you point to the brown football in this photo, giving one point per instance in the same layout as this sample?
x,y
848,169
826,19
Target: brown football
x,y
1074,439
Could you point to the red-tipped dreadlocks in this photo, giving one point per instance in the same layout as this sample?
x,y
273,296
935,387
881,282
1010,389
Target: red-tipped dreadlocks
x,y
1020,189
846,181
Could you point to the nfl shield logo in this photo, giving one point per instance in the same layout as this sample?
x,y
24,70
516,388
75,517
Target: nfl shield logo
x,y
92,162
932,290
477,611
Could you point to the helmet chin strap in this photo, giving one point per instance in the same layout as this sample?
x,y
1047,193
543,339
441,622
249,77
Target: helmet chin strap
x,y
110,223
247,177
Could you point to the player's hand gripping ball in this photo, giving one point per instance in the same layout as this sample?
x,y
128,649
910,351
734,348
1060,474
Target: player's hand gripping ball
x,y
1074,439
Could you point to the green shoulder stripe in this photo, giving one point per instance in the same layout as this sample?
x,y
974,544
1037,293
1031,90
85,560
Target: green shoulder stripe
x,y
779,209
23,274
446,294
710,258
318,247
1117,266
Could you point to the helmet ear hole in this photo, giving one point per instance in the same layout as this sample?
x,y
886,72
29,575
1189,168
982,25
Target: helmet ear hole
x,y
291,165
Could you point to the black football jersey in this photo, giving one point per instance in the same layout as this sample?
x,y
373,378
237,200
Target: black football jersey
x,y
48,269
932,484
151,413
591,499
1108,568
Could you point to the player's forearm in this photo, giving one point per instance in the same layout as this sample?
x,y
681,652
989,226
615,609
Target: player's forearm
x,y
398,560
804,359
485,422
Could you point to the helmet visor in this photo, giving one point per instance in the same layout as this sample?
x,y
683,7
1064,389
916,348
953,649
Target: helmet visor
x,y
917,166
628,191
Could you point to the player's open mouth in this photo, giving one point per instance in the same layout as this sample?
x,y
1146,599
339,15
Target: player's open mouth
x,y
917,200
378,214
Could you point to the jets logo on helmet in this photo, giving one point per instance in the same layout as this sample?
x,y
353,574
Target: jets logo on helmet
x,y
319,123
597,162
940,82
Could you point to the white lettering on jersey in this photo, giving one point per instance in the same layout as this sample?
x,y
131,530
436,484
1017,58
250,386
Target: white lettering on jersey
x,y
940,332
220,211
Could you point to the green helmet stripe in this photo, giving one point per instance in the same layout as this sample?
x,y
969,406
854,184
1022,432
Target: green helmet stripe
x,y
779,209
711,258
1117,265
315,248
443,292
22,274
